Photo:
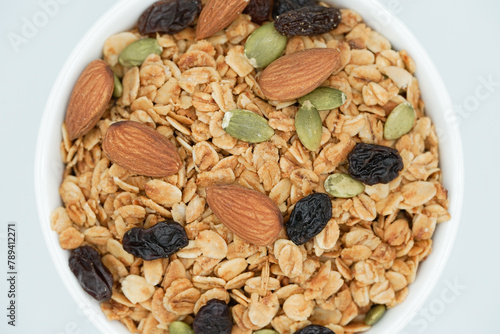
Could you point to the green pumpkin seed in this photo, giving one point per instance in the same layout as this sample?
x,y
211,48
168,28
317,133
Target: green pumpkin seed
x,y
343,186
374,315
309,126
264,45
400,121
135,53
247,126
118,90
179,327
265,331
325,98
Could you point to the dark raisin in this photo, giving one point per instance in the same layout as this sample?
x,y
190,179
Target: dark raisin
x,y
259,10
308,21
168,16
156,242
309,217
283,6
315,329
372,164
213,318
85,263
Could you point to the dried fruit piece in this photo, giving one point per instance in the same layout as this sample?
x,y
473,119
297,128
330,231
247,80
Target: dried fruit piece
x,y
168,16
315,329
213,318
343,186
325,98
283,6
135,53
400,121
259,10
89,99
372,164
140,149
156,242
297,74
264,46
217,15
179,327
85,263
308,21
309,126
118,87
309,217
375,314
247,126
249,214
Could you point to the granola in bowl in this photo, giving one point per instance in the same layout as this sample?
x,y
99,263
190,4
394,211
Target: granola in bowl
x,y
184,127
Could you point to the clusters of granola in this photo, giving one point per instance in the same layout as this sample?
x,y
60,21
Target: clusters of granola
x,y
369,252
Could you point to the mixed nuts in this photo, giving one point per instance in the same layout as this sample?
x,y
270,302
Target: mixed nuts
x,y
225,176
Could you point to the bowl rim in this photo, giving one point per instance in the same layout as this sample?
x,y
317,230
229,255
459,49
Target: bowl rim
x,y
88,305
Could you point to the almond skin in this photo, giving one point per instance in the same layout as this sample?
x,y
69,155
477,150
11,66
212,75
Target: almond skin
x,y
297,74
217,15
141,149
249,214
89,99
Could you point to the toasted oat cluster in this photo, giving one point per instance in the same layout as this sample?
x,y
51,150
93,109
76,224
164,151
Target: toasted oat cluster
x,y
369,252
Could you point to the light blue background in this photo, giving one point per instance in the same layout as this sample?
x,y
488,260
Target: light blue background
x,y
461,38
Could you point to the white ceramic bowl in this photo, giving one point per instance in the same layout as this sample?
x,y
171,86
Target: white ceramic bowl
x,y
49,167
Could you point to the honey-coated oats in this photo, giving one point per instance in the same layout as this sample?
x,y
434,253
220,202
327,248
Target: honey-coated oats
x,y
368,253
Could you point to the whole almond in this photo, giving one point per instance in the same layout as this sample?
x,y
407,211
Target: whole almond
x,y
141,149
249,214
89,99
217,15
297,74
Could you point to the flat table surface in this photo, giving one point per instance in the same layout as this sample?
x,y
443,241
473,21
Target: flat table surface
x,y
462,40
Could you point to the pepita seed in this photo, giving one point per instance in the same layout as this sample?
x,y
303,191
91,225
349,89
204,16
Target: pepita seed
x,y
400,121
118,90
135,53
325,98
179,327
247,126
265,331
264,45
374,315
343,186
309,126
